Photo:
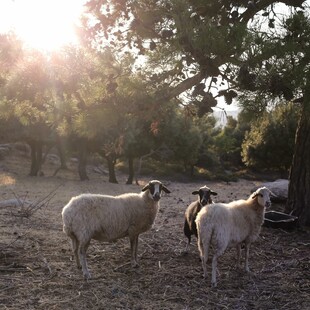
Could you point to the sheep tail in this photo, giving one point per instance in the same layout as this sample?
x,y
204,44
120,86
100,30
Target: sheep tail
x,y
67,226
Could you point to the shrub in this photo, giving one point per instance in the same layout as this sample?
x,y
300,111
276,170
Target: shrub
x,y
271,139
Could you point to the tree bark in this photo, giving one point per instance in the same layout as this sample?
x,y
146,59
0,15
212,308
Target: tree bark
x,y
140,164
298,202
60,145
111,166
62,155
183,86
83,161
131,172
36,157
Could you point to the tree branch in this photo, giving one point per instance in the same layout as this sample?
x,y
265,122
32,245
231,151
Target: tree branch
x,y
183,86
263,4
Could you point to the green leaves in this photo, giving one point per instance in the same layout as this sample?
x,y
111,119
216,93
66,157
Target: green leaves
x,y
270,142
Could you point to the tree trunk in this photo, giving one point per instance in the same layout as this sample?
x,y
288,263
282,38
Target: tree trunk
x,y
131,172
140,164
60,145
298,202
83,161
192,170
111,165
36,157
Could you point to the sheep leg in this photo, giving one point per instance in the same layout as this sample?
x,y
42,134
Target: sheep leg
x,y
219,252
188,244
214,266
203,256
187,233
238,248
134,250
247,253
82,249
75,249
204,259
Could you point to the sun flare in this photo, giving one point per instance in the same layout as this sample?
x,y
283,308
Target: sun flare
x,y
42,24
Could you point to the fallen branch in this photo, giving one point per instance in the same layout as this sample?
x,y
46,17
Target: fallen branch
x,y
14,203
28,210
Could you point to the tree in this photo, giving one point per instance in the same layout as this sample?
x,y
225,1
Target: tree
x,y
281,68
181,137
194,39
299,194
228,143
25,99
270,142
42,93
203,44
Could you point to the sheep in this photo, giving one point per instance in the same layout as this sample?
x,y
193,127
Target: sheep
x,y
193,209
224,225
108,218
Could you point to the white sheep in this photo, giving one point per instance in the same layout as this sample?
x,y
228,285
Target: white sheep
x,y
204,197
224,225
108,218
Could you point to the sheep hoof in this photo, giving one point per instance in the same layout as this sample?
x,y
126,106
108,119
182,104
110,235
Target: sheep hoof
x,y
213,284
87,276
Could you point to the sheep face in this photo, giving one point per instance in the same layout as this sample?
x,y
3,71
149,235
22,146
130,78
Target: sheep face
x,y
263,196
204,195
155,189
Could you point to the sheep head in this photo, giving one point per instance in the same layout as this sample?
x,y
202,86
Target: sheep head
x,y
155,188
263,196
204,195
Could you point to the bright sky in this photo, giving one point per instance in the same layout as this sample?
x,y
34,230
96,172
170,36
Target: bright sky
x,y
42,24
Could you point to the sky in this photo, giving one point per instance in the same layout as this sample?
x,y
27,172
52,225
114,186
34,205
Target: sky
x,y
42,24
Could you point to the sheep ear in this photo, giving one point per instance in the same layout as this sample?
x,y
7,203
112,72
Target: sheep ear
x,y
213,193
145,187
255,195
271,193
165,189
195,192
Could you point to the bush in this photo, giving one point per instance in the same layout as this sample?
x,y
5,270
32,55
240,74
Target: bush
x,y
271,139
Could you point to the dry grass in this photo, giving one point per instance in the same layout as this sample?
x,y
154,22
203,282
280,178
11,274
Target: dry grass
x,y
37,272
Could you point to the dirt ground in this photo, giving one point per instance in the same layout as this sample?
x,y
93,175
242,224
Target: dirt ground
x,y
37,271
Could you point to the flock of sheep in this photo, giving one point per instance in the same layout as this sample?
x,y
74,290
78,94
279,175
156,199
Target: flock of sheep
x,y
108,218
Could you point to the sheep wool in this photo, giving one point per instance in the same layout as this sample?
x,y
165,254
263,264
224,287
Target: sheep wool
x,y
224,225
109,218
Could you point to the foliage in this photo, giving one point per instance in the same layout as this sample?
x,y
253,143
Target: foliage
x,y
228,142
207,158
270,142
192,46
179,134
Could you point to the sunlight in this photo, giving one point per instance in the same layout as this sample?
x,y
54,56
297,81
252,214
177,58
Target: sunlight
x,y
41,24
6,179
